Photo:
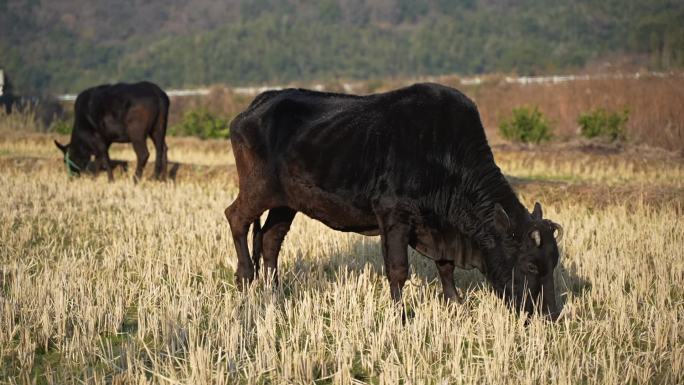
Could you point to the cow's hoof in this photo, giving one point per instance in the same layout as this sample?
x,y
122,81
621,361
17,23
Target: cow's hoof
x,y
453,299
242,283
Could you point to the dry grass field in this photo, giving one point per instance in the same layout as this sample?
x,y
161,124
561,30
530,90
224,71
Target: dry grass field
x,y
133,284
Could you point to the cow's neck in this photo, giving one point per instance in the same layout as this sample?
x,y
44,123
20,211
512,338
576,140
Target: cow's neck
x,y
473,207
79,147
517,214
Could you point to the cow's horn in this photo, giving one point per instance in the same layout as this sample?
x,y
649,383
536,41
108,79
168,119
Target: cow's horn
x,y
558,231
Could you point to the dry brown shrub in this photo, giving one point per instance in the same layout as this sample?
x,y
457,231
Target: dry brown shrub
x,y
220,101
655,105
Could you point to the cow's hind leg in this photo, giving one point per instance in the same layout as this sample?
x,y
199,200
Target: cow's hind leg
x,y
274,231
446,275
240,215
160,150
257,245
143,155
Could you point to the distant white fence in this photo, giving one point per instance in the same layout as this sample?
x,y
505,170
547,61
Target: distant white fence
x,y
466,81
185,92
196,92
555,79
189,92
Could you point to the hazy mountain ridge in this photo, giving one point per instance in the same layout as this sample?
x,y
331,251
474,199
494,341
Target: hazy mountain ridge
x,y
64,45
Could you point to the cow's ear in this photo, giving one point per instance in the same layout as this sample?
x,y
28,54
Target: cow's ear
x,y
501,221
62,147
537,211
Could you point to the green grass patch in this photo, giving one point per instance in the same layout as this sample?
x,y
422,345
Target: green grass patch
x,y
550,178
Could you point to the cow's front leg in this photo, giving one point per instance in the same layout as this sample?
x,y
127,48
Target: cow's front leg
x,y
394,235
274,231
102,158
108,166
97,165
446,275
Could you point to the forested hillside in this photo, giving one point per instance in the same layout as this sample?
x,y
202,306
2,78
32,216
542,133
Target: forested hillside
x,y
66,45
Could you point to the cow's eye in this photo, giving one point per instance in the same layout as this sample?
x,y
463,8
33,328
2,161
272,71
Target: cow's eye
x,y
532,268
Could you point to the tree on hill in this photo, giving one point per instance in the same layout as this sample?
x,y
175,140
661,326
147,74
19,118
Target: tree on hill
x,y
66,45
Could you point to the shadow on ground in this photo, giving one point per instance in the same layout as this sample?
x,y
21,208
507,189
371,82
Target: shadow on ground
x,y
364,257
177,172
123,169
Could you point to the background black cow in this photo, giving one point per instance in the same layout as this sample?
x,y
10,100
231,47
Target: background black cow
x,y
118,113
412,165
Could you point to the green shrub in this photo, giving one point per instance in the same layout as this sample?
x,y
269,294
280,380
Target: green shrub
x,y
61,126
526,125
203,124
603,123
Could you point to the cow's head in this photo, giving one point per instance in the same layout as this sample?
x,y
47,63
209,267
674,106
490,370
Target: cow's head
x,y
531,255
73,160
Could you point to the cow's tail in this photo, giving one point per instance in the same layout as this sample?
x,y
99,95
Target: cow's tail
x,y
257,244
159,137
163,116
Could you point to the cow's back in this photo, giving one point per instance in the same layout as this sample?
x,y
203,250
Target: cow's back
x,y
107,108
341,139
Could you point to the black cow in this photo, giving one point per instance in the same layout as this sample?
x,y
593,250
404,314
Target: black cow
x,y
118,113
412,165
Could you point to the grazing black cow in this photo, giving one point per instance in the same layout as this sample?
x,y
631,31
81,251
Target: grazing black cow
x,y
412,165
118,113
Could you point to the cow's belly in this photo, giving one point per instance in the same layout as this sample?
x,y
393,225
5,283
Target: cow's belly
x,y
117,136
114,130
343,213
333,210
